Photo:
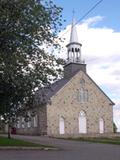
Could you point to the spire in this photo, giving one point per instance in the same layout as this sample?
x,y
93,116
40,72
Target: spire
x,y
74,61
74,47
73,36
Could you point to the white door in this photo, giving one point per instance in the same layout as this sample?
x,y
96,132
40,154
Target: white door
x,y
61,126
82,122
101,125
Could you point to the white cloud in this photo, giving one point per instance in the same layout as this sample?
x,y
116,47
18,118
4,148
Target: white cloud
x,y
101,51
92,20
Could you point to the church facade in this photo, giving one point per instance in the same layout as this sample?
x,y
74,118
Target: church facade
x,y
72,106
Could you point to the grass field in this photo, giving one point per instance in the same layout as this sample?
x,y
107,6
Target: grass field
x,y
106,140
14,142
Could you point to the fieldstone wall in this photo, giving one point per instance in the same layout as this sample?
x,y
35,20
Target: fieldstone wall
x,y
41,128
42,115
65,103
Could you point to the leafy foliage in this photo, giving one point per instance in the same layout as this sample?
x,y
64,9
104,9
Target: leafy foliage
x,y
114,127
25,27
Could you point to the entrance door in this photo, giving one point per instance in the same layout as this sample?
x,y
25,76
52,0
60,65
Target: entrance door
x,y
82,122
61,126
101,125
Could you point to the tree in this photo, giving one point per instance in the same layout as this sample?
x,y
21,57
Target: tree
x,y
26,26
114,127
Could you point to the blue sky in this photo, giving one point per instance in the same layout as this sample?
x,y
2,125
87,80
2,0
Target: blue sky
x,y
99,34
109,9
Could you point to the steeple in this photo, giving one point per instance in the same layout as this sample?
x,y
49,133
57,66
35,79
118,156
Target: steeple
x,y
74,47
74,61
73,36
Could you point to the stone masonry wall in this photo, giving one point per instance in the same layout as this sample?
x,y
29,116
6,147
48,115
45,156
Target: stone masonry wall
x,y
65,103
41,128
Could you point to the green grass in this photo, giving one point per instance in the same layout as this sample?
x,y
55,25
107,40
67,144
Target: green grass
x,y
14,142
106,140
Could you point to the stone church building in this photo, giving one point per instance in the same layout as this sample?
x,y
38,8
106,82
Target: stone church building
x,y
71,106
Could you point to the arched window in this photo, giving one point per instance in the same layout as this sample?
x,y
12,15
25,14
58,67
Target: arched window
x,y
61,125
83,93
81,96
82,122
76,50
82,114
101,125
72,49
86,97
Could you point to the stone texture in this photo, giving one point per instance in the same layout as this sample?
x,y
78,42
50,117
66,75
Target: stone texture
x,y
65,104
41,128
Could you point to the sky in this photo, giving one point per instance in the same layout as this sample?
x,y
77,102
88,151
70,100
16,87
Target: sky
x,y
99,33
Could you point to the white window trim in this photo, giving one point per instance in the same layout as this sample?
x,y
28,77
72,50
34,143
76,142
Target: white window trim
x,y
82,118
29,124
35,121
61,125
101,126
29,121
83,95
22,122
18,123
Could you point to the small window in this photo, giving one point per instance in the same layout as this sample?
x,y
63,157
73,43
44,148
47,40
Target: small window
x,y
18,123
29,124
22,123
29,120
35,121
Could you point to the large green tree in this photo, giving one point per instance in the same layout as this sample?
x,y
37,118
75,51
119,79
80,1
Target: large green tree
x,y
26,28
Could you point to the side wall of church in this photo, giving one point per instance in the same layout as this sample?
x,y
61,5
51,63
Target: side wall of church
x,y
41,123
66,104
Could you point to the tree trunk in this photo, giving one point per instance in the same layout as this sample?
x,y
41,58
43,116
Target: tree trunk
x,y
9,130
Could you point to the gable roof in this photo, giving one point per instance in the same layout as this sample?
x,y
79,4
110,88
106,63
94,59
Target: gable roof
x,y
112,103
43,95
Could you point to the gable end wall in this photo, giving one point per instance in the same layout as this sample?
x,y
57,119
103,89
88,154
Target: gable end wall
x,y
65,104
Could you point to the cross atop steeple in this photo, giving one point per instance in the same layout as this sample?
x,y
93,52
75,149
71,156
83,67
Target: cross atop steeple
x,y
74,47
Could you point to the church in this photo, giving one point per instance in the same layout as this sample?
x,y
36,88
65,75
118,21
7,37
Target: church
x,y
72,106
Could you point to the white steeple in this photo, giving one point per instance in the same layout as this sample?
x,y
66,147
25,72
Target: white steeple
x,y
73,36
74,47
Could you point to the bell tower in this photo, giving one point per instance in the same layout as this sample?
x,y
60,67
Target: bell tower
x,y
74,47
74,61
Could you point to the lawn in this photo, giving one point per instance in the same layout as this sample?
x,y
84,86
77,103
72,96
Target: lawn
x,y
14,142
113,140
